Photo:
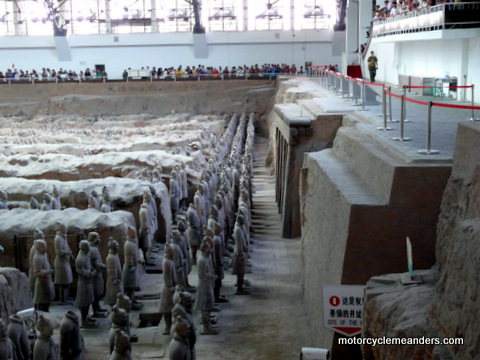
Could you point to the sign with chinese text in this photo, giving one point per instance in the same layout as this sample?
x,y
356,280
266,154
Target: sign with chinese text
x,y
342,308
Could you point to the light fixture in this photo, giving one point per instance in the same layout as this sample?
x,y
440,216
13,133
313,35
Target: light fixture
x,y
317,11
270,13
222,13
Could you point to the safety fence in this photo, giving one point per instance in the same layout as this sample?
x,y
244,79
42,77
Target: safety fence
x,y
355,89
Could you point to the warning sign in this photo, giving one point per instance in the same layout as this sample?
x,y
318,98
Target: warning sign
x,y
342,308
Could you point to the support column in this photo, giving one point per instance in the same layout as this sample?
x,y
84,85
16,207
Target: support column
x,y
352,27
108,18
16,19
154,26
245,15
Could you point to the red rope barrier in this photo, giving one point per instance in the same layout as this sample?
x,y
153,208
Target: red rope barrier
x,y
416,101
394,95
439,87
457,106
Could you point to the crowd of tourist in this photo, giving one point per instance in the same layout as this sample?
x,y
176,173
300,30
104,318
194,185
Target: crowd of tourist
x,y
395,7
215,72
47,74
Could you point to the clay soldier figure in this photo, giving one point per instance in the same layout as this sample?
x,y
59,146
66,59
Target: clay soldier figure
x,y
183,176
17,332
183,307
85,273
120,321
106,207
125,303
206,276
240,256
56,205
194,234
174,194
145,232
93,200
92,203
169,283
47,202
3,200
6,345
178,258
44,291
149,200
185,244
157,174
122,350
199,206
45,348
218,251
34,203
114,274
179,348
97,280
63,254
38,234
70,338
129,271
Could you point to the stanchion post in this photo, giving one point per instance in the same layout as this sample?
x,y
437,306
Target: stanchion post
x,y
404,104
384,110
390,105
429,151
401,137
473,118
355,93
363,95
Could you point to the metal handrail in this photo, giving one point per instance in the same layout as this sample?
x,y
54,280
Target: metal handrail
x,y
425,19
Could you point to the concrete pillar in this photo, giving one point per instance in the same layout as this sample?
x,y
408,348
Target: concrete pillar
x,y
108,17
365,17
245,15
352,27
16,18
153,15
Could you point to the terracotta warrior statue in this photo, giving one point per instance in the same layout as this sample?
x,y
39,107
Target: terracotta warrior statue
x,y
183,307
3,200
56,205
240,256
45,348
114,274
145,233
120,321
106,206
44,291
86,273
179,348
17,332
204,301
174,194
169,283
93,200
122,349
194,231
63,270
71,342
130,271
37,234
97,280
47,202
178,259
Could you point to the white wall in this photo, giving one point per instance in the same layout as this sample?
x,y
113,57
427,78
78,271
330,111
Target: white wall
x,y
119,52
429,58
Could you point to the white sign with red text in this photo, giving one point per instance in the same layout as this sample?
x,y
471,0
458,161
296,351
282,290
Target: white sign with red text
x,y
342,308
